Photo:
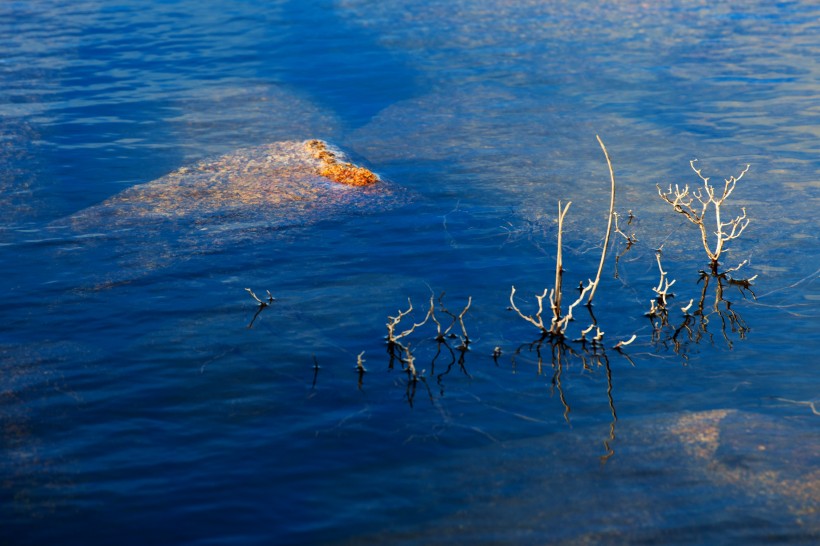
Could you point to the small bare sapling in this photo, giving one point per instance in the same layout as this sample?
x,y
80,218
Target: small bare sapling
x,y
694,206
558,324
658,307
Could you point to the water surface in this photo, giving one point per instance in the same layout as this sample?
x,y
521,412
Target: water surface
x,y
139,406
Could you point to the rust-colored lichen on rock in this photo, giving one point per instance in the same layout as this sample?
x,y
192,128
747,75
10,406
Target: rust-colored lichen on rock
x,y
342,172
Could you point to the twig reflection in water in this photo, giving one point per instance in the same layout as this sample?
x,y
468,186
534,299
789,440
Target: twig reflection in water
x,y
695,326
592,356
590,353
401,352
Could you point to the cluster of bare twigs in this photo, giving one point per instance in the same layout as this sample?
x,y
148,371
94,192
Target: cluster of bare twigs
x,y
400,351
559,322
557,325
694,206
700,320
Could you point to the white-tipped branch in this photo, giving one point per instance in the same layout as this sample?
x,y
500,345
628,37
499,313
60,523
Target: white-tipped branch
x,y
609,221
559,265
270,300
394,321
559,324
662,290
536,320
683,202
625,343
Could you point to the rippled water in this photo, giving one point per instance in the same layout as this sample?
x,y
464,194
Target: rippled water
x,y
144,400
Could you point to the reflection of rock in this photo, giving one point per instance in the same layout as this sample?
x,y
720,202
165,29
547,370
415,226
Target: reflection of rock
x,y
235,197
694,476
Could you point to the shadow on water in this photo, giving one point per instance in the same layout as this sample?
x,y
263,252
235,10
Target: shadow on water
x,y
302,56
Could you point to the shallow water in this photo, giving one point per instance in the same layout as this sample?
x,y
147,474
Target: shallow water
x,y
139,406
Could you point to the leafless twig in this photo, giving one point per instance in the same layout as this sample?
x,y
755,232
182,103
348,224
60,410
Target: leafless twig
x,y
392,322
694,205
609,222
262,303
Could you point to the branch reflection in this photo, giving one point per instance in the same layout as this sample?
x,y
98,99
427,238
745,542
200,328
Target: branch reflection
x,y
397,352
709,318
590,354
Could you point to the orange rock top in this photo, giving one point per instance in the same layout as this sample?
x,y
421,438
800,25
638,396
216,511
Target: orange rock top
x,y
339,171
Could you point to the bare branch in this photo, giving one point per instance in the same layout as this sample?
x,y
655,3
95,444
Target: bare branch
x,y
738,224
731,182
270,299
609,221
698,172
682,203
465,337
631,239
559,267
623,343
536,320
664,284
559,325
394,321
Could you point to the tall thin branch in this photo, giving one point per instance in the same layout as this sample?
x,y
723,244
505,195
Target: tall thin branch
x,y
609,221
559,266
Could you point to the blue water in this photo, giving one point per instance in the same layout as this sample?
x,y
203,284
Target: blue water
x,y
139,407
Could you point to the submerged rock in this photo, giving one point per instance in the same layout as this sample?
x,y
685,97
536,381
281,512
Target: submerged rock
x,y
704,477
219,202
276,182
759,455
